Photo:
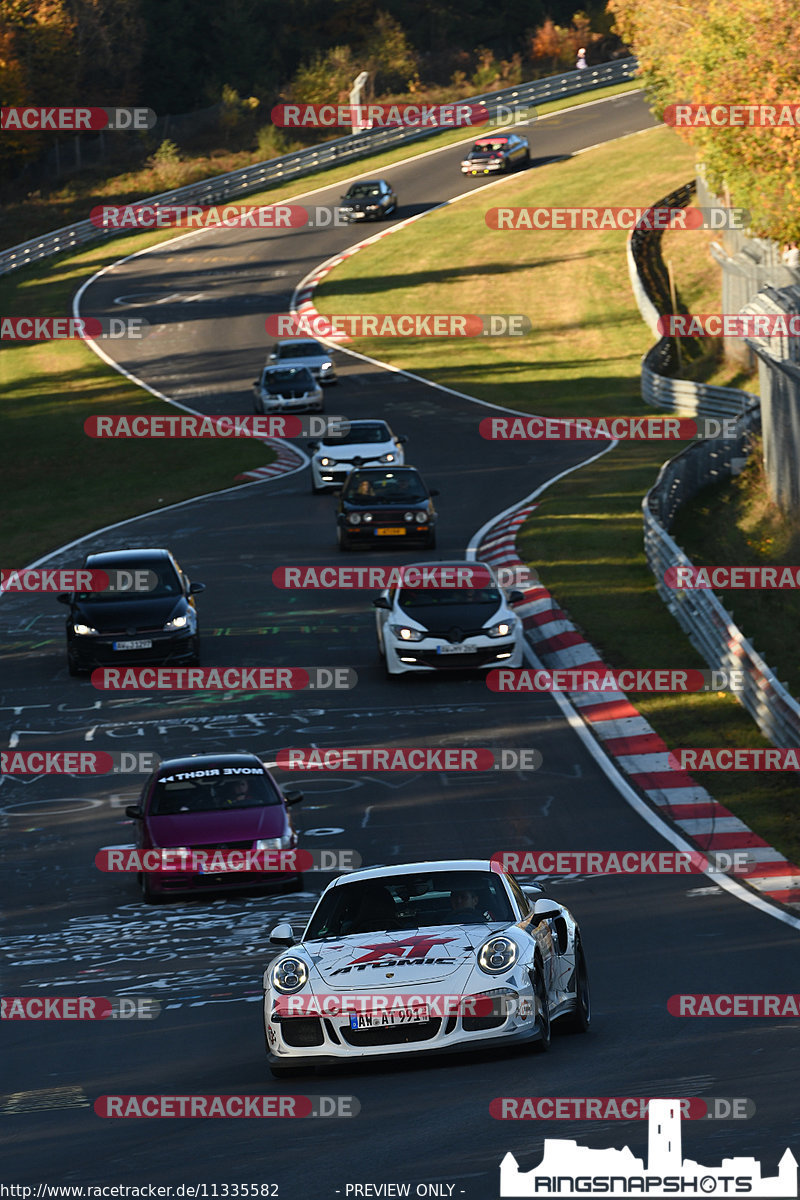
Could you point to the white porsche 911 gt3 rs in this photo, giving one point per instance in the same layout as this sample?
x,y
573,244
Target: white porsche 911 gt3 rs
x,y
423,958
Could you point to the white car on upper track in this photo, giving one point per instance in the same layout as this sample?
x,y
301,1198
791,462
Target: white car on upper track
x,y
423,958
369,442
448,628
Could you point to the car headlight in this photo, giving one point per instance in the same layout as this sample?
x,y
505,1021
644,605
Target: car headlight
x,y
326,368
407,634
498,955
501,629
409,516
279,843
82,630
421,518
372,207
354,518
289,975
177,623
367,517
387,458
326,462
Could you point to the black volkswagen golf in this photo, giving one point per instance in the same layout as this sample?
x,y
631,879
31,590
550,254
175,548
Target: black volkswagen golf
x,y
134,627
380,504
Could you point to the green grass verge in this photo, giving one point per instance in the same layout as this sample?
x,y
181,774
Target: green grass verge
x,y
582,358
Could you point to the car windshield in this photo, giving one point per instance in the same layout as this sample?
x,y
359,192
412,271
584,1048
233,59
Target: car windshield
x,y
168,582
212,789
301,350
293,377
483,147
390,487
365,435
413,901
363,191
440,597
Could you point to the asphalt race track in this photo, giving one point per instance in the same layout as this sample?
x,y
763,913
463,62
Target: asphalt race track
x,y
72,930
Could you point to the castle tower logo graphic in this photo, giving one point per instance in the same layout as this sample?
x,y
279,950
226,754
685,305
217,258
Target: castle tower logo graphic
x,y
568,1169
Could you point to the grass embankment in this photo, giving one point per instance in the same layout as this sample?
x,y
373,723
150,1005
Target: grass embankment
x,y
59,484
582,358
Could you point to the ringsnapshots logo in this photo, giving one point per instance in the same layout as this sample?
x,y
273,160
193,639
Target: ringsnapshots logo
x,y
602,218
236,1106
343,326
78,580
76,120
77,762
53,329
224,679
418,576
407,758
588,429
569,1170
184,425
79,1008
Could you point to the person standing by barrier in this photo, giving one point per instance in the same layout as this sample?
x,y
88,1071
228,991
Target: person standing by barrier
x,y
581,64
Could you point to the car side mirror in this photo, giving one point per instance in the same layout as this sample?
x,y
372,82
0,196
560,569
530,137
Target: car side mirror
x,y
292,798
381,602
63,598
312,445
196,588
401,441
546,910
434,492
134,812
516,597
282,935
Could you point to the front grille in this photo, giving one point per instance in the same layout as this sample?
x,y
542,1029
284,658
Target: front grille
x,y
477,1024
391,1035
302,1031
454,662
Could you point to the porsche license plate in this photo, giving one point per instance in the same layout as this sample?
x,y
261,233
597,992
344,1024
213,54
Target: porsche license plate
x,y
382,1020
390,531
135,645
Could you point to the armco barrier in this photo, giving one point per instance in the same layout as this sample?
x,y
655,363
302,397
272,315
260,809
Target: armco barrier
x,y
304,162
650,283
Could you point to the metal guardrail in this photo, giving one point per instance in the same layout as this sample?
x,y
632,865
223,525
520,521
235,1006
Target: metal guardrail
x,y
650,283
710,628
304,162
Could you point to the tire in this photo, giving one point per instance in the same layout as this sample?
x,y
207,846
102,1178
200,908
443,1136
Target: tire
x,y
579,1020
344,544
194,659
526,161
148,895
542,1044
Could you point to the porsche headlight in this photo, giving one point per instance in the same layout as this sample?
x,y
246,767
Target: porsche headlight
x,y
177,623
498,955
406,633
289,975
83,630
502,629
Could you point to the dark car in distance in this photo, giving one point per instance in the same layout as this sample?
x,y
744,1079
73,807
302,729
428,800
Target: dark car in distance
x,y
213,802
134,628
368,200
382,504
497,153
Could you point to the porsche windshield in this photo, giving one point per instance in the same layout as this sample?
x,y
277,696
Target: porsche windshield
x,y
208,790
414,901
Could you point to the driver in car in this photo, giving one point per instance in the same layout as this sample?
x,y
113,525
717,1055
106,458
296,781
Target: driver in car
x,y
465,905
